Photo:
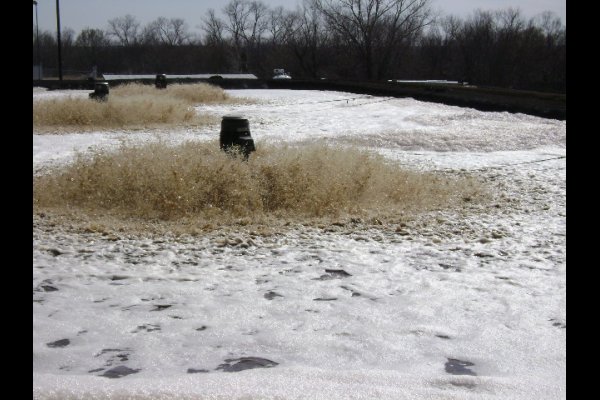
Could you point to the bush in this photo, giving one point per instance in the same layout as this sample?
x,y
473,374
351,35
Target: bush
x,y
131,106
197,180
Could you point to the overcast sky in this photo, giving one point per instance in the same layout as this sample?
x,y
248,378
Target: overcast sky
x,y
79,14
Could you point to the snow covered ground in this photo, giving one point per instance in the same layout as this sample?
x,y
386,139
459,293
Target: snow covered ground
x,y
464,304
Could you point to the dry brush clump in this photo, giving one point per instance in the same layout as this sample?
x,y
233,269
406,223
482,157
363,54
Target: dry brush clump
x,y
131,106
192,94
197,181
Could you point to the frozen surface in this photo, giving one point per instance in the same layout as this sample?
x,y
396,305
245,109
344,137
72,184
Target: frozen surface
x,y
466,305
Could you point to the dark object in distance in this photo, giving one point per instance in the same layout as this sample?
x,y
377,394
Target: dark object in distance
x,y
160,307
100,91
338,273
195,371
59,343
246,363
333,274
458,367
271,295
120,371
161,81
235,136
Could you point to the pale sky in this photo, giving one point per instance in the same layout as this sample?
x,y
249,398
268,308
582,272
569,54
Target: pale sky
x,y
79,14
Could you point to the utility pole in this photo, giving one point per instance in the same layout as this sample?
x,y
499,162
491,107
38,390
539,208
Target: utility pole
x,y
37,42
60,76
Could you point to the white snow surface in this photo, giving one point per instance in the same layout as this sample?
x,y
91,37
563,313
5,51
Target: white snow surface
x,y
471,308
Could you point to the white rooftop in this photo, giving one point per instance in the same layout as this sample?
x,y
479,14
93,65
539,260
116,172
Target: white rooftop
x,y
109,77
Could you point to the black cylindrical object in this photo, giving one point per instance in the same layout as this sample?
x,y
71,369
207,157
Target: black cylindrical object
x,y
235,135
161,81
100,91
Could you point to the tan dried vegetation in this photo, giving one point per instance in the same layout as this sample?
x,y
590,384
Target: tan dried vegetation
x,y
131,106
199,184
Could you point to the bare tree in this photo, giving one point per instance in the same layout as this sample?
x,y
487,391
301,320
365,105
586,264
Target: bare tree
x,y
170,32
477,41
258,22
281,24
91,44
509,46
67,37
124,29
510,20
307,36
47,48
219,55
246,23
348,39
451,26
92,38
551,26
374,27
213,28
237,13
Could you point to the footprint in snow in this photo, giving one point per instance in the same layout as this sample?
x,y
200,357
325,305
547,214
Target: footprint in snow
x,y
244,363
457,367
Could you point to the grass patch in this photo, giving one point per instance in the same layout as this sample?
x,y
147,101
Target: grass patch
x,y
199,184
131,106
191,94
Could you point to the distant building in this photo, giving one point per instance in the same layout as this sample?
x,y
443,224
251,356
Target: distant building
x,y
37,72
109,77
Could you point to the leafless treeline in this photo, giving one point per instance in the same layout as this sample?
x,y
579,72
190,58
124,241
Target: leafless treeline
x,y
346,39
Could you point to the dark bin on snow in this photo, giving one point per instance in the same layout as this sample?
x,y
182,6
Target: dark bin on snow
x,y
235,135
100,91
161,81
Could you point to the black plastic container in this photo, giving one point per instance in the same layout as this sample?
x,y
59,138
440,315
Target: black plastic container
x,y
161,81
100,92
235,135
